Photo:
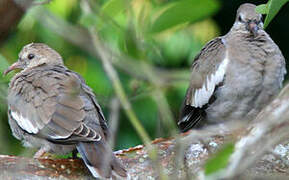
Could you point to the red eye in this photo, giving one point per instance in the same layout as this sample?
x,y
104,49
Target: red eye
x,y
30,56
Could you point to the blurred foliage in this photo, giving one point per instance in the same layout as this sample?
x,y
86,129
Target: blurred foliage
x,y
271,9
220,159
162,33
166,34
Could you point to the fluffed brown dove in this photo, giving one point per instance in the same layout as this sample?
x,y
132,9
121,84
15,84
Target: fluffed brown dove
x,y
52,108
234,76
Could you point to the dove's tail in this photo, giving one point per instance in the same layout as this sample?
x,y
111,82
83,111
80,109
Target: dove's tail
x,y
100,160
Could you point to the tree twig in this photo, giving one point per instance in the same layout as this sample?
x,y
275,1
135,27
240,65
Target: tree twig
x,y
112,74
81,38
113,120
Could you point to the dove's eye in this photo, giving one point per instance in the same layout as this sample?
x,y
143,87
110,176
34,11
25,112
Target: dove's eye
x,y
240,19
30,56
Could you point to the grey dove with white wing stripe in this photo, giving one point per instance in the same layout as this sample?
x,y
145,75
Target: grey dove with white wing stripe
x,y
234,76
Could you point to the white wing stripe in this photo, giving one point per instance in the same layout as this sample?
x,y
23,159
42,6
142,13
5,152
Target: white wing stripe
x,y
93,171
24,123
203,94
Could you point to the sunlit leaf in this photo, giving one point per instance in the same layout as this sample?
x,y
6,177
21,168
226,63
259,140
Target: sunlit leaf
x,y
110,14
62,8
271,9
113,7
183,11
142,10
220,160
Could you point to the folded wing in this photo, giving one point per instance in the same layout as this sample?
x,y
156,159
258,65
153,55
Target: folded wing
x,y
53,105
208,73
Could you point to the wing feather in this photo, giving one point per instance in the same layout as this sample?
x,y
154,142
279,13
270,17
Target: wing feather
x,y
52,104
208,72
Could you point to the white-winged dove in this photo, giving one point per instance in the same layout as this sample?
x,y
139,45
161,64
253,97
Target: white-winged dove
x,y
51,108
234,76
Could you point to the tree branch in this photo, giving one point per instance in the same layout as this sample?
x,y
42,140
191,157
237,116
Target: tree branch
x,y
257,154
10,13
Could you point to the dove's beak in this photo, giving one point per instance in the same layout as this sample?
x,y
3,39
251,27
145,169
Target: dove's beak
x,y
16,65
253,28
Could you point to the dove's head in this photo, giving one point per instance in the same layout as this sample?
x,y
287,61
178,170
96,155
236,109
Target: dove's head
x,y
248,20
34,55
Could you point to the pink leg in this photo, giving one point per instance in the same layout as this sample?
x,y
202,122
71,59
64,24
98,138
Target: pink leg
x,y
39,154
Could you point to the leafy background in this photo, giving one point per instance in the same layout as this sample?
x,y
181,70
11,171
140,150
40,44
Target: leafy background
x,y
165,34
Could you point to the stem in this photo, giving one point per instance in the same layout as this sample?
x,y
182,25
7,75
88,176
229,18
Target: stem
x,y
112,74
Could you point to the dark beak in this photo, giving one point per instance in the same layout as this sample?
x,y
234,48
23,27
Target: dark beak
x,y
253,28
16,65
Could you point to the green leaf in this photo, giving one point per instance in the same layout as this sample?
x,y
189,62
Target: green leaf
x,y
88,20
262,9
131,43
272,8
3,63
183,11
176,48
110,9
113,7
3,66
220,160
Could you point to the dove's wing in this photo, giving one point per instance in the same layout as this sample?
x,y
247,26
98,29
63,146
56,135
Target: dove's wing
x,y
208,72
51,103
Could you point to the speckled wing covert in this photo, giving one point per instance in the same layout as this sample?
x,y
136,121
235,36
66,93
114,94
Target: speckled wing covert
x,y
208,72
52,104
